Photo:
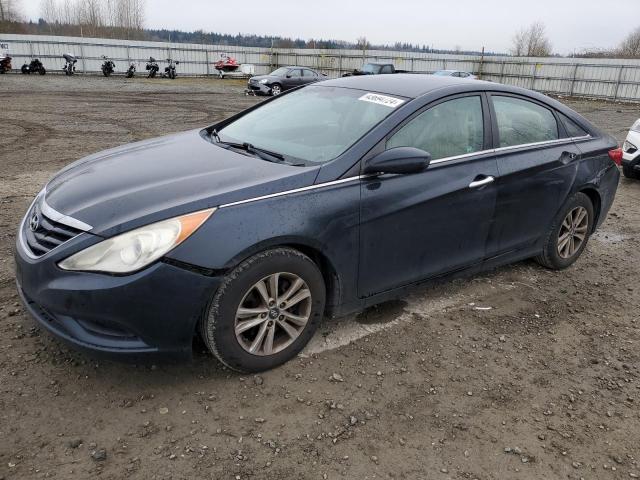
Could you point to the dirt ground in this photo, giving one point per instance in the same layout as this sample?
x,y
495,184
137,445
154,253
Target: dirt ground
x,y
544,384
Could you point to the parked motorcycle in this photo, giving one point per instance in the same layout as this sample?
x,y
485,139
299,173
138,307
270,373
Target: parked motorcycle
x,y
108,66
70,65
35,66
5,64
170,70
153,67
131,71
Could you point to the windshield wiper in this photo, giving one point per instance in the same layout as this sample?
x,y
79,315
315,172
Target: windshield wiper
x,y
252,149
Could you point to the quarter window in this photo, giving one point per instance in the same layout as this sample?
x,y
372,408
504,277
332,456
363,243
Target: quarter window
x,y
521,122
572,128
449,129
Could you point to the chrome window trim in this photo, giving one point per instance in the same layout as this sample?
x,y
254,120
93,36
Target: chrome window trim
x,y
433,162
295,190
458,157
559,141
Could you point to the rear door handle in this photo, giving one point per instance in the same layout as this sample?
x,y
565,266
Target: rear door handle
x,y
481,182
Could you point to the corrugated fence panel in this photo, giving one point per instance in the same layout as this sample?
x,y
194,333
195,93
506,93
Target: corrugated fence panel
x,y
608,78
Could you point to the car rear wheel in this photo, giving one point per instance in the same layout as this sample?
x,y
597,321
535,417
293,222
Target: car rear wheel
x,y
265,311
276,89
569,233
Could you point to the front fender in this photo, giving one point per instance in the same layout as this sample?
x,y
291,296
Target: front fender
x,y
324,219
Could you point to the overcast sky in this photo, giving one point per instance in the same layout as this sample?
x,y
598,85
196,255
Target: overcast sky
x,y
572,25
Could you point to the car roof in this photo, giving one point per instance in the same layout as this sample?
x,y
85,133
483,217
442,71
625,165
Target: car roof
x,y
410,85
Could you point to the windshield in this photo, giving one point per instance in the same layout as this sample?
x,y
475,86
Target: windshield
x,y
280,72
371,68
314,124
444,73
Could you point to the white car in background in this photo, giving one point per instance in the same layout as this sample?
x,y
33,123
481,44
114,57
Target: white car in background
x,y
631,152
455,73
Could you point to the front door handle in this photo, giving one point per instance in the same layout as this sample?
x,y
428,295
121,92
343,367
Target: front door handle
x,y
481,182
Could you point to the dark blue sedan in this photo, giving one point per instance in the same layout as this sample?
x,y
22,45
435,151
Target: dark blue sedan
x,y
318,202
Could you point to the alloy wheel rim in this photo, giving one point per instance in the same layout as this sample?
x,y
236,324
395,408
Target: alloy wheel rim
x,y
276,90
573,232
273,313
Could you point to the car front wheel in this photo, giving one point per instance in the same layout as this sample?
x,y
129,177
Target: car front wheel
x,y
276,89
569,233
265,311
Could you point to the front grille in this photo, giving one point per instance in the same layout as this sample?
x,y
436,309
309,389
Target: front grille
x,y
48,235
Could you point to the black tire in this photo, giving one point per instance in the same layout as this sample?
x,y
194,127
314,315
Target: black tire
x,y
630,173
25,70
43,71
276,89
550,257
217,327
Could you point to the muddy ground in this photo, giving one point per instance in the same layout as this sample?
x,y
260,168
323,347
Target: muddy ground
x,y
545,384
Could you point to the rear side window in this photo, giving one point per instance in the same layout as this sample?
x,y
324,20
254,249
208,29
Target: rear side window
x,y
572,128
521,122
449,129
386,69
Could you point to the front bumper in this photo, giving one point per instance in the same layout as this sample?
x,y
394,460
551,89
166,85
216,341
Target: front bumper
x,y
150,314
258,88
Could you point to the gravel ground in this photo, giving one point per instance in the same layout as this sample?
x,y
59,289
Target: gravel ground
x,y
545,384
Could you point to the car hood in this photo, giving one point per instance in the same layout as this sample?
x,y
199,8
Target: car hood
x,y
271,78
148,181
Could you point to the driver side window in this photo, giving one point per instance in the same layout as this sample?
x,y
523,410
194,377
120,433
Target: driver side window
x,y
294,73
449,129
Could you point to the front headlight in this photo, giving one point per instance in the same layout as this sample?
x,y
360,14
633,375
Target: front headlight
x,y
264,80
636,126
136,249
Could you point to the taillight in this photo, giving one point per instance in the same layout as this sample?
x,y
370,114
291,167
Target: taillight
x,y
616,156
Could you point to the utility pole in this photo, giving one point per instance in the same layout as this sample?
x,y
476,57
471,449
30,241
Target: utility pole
x,y
481,64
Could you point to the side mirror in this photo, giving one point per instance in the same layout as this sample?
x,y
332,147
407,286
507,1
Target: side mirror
x,y
288,76
401,160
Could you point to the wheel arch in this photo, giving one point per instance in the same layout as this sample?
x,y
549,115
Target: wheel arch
x,y
593,194
310,248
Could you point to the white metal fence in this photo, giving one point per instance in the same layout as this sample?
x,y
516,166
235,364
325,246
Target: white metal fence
x,y
613,79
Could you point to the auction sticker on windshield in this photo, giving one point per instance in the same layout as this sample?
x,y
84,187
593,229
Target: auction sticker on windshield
x,y
391,102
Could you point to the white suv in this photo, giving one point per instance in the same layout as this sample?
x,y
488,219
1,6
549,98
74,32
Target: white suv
x,y
631,152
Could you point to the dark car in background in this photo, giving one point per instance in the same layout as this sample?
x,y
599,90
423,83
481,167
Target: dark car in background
x,y
319,202
282,79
